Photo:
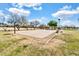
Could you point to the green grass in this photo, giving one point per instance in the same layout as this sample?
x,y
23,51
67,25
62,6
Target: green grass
x,y
10,46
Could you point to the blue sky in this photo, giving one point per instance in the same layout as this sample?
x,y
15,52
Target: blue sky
x,y
67,12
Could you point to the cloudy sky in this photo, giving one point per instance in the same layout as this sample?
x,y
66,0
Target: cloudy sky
x,y
67,12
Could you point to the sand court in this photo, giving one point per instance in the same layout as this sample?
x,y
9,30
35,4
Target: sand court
x,y
36,33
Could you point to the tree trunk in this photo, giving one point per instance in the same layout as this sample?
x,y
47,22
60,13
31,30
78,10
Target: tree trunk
x,y
14,29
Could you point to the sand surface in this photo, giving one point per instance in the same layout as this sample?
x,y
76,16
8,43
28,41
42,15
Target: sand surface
x,y
36,33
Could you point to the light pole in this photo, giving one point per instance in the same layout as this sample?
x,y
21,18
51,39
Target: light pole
x,y
58,26
59,23
78,24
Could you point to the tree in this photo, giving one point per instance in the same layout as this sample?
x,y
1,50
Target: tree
x,y
17,21
52,23
13,19
2,19
34,23
22,22
2,22
43,26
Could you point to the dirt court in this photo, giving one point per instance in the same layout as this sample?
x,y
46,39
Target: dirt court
x,y
36,33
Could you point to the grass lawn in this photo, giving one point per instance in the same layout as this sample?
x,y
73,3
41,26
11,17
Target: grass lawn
x,y
17,45
72,43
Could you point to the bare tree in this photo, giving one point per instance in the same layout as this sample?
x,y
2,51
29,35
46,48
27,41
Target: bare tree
x,y
22,22
2,22
17,21
34,23
13,19
43,26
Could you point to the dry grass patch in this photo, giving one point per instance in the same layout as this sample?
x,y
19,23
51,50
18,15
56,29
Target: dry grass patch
x,y
18,45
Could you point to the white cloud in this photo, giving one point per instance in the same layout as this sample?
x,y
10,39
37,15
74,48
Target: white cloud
x,y
1,13
14,5
65,13
29,4
35,6
19,11
77,8
65,7
39,8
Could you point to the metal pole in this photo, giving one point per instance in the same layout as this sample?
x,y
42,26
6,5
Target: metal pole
x,y
59,22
